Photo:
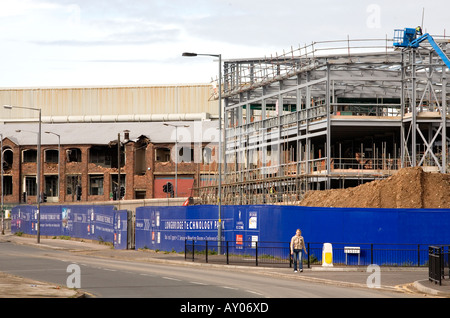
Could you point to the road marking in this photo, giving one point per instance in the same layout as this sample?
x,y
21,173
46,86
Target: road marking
x,y
109,270
253,292
148,275
171,278
197,283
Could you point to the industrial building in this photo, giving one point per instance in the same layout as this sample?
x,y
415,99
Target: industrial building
x,y
330,115
92,137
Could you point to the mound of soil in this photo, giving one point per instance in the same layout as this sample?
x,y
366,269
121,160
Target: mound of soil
x,y
408,188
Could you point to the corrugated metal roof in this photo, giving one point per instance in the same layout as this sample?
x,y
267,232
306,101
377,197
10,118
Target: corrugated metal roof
x,y
109,100
103,133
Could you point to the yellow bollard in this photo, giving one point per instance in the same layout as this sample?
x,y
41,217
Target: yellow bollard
x,y
327,254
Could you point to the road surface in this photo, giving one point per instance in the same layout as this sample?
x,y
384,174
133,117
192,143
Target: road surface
x,y
112,278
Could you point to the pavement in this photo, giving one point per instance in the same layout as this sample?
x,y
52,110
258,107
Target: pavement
x,y
411,280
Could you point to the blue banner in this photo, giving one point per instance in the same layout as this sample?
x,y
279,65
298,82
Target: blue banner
x,y
100,223
166,228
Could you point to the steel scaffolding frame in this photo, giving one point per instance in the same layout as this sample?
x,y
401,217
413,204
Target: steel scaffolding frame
x,y
305,120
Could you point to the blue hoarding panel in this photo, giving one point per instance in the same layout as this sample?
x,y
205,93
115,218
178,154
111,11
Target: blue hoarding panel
x,y
166,228
81,221
102,227
51,221
120,230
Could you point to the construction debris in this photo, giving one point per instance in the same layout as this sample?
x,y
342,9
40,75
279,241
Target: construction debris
x,y
408,188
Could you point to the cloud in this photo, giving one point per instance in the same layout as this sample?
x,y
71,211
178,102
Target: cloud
x,y
56,41
116,39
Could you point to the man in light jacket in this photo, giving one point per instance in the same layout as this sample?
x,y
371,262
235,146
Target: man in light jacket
x,y
297,245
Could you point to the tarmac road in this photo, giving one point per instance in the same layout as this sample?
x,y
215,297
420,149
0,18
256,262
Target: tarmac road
x,y
395,282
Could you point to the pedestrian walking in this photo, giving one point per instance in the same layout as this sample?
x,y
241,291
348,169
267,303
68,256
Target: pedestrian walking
x,y
297,246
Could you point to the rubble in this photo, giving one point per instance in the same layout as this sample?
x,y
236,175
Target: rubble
x,y
408,188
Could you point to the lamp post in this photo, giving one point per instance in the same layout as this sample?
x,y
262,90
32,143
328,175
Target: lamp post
x,y
38,177
59,156
219,165
2,203
176,152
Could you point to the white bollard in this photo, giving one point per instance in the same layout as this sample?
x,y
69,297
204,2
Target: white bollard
x,y
327,254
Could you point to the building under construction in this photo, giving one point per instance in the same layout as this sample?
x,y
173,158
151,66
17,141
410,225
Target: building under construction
x,y
330,115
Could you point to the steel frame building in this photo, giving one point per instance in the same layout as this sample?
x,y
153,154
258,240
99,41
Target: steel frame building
x,y
330,115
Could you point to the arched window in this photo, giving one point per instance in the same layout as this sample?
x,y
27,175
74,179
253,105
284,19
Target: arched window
x,y
8,158
51,156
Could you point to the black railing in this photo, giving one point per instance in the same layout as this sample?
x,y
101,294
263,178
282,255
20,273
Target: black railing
x,y
278,253
240,252
406,255
439,259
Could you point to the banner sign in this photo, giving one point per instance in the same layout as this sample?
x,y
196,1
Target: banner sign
x,y
100,223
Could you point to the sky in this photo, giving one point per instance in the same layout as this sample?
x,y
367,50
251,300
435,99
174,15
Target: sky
x,y
47,43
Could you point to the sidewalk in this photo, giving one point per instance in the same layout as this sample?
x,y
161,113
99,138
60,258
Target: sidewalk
x,y
401,279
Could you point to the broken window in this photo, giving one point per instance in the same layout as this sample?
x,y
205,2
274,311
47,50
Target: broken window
x,y
185,154
51,156
100,155
30,185
7,159
207,155
29,155
114,185
51,186
106,156
7,185
139,194
73,155
96,184
140,159
162,154
73,187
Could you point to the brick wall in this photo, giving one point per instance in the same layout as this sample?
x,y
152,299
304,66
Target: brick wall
x,y
140,180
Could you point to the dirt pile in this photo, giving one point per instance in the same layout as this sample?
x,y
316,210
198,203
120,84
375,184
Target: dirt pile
x,y
408,188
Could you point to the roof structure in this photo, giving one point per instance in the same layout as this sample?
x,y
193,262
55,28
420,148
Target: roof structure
x,y
103,133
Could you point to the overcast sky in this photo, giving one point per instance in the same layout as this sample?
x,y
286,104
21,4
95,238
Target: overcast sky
x,y
113,42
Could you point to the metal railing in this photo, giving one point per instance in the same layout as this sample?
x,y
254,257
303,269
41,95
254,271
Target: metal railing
x,y
247,74
239,252
439,259
277,254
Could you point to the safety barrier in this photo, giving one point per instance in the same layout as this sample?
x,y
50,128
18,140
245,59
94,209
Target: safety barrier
x,y
166,228
412,230
100,223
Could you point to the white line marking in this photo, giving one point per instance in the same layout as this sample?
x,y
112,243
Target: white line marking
x,y
171,278
197,283
253,292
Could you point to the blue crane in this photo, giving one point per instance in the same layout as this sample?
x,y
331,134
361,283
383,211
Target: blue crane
x,y
411,38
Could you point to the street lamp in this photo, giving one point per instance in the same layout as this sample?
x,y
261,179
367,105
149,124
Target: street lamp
x,y
59,156
219,166
38,177
176,154
2,203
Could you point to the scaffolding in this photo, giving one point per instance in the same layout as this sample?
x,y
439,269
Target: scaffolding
x,y
329,115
